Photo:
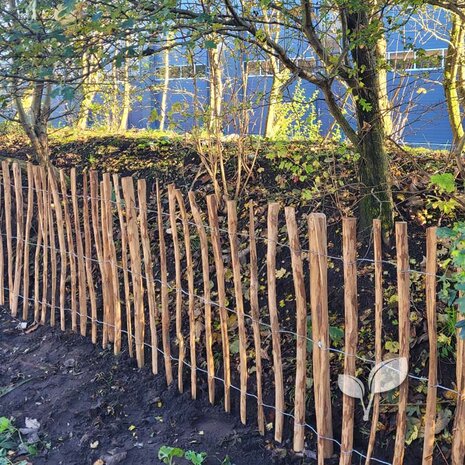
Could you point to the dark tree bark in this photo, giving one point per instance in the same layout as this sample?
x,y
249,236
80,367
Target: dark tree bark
x,y
374,164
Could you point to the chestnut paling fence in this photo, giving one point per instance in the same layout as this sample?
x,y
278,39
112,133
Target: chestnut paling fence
x,y
79,253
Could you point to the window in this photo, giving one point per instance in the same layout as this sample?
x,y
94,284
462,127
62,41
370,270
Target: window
x,y
182,71
430,59
308,64
259,68
402,60
410,60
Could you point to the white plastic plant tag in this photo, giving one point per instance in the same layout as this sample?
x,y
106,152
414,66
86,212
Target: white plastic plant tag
x,y
387,375
351,386
384,377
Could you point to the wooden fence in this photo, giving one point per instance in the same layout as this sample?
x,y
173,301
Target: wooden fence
x,y
91,256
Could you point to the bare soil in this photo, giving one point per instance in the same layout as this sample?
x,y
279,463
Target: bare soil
x,y
92,405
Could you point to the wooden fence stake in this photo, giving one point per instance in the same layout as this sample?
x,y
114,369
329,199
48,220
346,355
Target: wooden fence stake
x,y
165,316
37,189
53,254
272,239
148,262
377,249
88,257
95,201
178,280
320,333
124,261
45,220
61,244
190,289
136,268
219,270
236,265
403,284
19,237
2,258
27,238
301,319
430,415
458,430
349,239
72,258
255,311
115,311
9,240
80,256
206,295
107,279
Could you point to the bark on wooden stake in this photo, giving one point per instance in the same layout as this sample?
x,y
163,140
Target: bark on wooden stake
x,y
148,262
219,269
19,237
97,236
71,252
107,280
165,316
255,311
124,261
349,244
80,256
178,278
9,240
136,268
88,257
458,430
61,244
45,223
430,415
273,212
236,265
53,255
37,189
2,257
403,285
113,268
377,249
206,296
301,319
190,290
27,239
320,333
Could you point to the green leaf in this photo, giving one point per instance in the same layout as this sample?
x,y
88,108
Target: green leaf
x,y
209,44
445,182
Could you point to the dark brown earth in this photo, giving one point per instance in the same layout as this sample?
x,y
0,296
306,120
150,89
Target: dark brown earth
x,y
81,394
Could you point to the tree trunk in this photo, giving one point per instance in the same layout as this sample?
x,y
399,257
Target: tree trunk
x,y
123,124
276,96
453,87
384,104
374,176
216,89
166,83
34,121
